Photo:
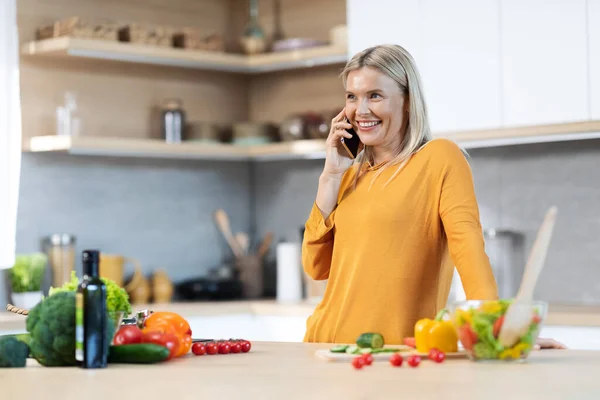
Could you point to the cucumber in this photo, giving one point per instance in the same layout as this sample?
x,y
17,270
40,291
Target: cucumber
x,y
366,350
138,353
352,350
339,349
370,339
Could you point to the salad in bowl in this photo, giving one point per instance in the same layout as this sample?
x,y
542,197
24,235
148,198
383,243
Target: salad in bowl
x,y
478,324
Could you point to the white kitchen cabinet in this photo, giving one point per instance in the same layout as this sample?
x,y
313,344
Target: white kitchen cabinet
x,y
594,57
384,21
251,327
544,61
460,65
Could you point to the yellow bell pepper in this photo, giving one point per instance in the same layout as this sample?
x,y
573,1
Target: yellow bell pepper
x,y
436,334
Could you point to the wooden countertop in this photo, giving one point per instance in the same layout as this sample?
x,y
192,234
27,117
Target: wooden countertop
x,y
558,315
292,371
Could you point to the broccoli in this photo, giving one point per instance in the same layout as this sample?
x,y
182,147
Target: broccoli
x,y
51,324
13,352
117,298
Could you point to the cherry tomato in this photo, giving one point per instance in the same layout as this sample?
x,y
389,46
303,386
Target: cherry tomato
x,y
246,346
224,348
236,347
433,354
467,336
358,362
368,358
414,360
212,348
128,334
396,360
199,349
536,318
440,356
169,340
410,342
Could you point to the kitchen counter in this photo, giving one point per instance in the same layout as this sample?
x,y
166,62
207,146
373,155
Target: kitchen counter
x,y
558,315
292,371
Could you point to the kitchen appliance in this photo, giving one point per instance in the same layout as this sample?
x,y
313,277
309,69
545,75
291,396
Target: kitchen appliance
x,y
206,288
505,251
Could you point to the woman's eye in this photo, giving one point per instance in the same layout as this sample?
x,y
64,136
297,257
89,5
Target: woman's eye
x,y
350,96
375,96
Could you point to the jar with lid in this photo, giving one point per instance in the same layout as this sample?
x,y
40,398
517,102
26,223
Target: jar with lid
x,y
60,248
173,120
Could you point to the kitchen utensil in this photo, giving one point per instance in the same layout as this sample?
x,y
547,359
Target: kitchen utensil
x,y
251,275
243,241
265,245
222,221
519,314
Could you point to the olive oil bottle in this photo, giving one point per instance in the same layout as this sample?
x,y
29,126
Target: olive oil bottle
x,y
91,347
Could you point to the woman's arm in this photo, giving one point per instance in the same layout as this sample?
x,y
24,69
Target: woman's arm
x,y
459,213
317,246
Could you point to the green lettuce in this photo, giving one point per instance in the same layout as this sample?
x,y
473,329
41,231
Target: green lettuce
x,y
27,273
117,298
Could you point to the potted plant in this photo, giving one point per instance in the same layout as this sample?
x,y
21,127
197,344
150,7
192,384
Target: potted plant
x,y
26,278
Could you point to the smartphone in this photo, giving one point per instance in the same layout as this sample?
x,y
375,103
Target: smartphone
x,y
351,144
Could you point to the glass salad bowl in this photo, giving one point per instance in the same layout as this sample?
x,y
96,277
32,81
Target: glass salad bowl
x,y
478,323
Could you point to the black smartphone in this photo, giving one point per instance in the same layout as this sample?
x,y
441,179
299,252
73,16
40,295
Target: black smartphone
x,y
351,144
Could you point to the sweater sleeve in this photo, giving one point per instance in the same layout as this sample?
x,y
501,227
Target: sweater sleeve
x,y
459,213
317,246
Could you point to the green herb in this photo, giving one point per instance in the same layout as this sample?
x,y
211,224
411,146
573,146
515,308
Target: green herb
x,y
27,273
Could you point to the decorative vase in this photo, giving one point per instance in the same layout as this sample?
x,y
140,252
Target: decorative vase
x,y
253,39
26,300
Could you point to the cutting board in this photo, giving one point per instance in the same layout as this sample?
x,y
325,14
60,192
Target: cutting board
x,y
327,355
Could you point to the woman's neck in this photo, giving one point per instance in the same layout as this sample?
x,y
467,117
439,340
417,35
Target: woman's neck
x,y
386,152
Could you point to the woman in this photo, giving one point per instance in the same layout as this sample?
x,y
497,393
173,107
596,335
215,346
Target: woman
x,y
387,230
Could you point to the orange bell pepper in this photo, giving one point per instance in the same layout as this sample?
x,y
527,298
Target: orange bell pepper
x,y
170,322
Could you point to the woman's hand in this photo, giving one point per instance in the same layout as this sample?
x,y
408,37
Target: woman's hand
x,y
337,160
542,343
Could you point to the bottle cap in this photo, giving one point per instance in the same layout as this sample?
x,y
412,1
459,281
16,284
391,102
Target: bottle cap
x,y
91,260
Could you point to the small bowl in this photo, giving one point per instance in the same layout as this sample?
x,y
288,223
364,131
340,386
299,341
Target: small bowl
x,y
478,322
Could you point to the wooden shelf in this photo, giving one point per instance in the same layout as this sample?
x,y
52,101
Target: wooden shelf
x,y
154,148
296,150
203,60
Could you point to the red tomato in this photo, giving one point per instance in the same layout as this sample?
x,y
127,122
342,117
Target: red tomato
x,y
536,318
199,349
212,348
497,325
410,342
169,340
128,334
433,354
246,346
368,358
440,356
236,347
414,360
467,337
396,360
358,362
224,348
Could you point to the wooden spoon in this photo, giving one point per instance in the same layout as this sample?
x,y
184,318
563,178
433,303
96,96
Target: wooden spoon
x,y
222,221
243,241
518,316
264,246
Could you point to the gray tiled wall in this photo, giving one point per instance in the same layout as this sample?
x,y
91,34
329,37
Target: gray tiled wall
x,y
515,185
159,212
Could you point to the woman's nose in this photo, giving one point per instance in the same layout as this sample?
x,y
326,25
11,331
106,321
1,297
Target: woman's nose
x,y
362,108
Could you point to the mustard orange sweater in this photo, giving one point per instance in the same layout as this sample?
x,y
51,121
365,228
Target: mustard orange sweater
x,y
389,253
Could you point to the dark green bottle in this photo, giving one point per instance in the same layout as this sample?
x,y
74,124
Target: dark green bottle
x,y
91,348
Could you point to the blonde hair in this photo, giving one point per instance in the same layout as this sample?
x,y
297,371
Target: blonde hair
x,y
397,63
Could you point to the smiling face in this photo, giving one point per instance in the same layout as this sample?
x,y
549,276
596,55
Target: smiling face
x,y
375,107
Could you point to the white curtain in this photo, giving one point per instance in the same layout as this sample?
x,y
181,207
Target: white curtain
x,y
10,131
